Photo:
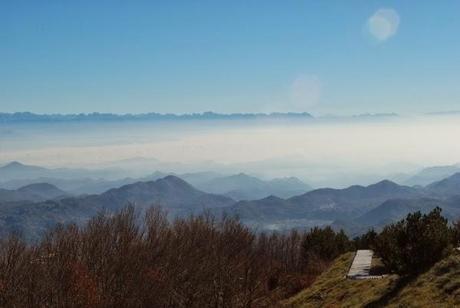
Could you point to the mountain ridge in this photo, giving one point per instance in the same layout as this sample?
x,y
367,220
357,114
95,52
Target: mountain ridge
x,y
171,193
326,204
245,187
239,186
447,187
96,116
33,192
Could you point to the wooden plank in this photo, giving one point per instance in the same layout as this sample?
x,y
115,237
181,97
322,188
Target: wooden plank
x,y
361,265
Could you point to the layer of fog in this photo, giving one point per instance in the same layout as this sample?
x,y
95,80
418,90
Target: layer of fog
x,y
328,152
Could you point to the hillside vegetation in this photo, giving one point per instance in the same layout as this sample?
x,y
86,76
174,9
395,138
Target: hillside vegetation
x,y
332,289
437,287
123,260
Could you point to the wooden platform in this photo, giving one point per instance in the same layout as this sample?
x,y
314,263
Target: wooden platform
x,y
361,265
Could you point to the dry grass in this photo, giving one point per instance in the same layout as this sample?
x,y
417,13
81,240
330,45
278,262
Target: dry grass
x,y
332,289
438,287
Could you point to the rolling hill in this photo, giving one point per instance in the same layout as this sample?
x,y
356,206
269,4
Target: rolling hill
x,y
396,209
322,204
33,192
244,187
80,181
171,193
432,174
18,171
354,209
449,186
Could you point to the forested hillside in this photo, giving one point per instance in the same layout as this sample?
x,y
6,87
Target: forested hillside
x,y
113,261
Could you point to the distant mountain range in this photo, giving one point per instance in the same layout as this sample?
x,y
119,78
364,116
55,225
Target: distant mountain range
x,y
82,181
431,174
173,194
33,208
444,194
33,192
446,187
321,204
32,117
153,116
244,187
396,209
18,171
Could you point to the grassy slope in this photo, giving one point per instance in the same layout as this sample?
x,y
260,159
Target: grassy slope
x,y
439,287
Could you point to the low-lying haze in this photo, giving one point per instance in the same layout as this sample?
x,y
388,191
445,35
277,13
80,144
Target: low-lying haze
x,y
322,152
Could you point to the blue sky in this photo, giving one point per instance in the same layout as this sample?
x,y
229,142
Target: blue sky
x,y
341,57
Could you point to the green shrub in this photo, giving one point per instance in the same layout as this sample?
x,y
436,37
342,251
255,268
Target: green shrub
x,y
414,244
324,244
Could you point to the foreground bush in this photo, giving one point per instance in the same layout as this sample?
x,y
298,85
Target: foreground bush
x,y
415,243
114,261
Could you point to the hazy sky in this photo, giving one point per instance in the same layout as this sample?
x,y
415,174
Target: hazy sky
x,y
339,57
322,152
